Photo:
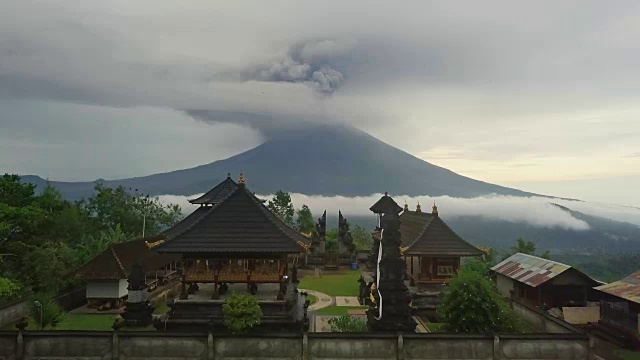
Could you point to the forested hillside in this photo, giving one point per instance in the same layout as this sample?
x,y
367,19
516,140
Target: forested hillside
x,y
43,236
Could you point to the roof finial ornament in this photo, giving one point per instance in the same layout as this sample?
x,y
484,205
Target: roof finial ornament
x,y
228,175
241,179
386,193
434,209
418,208
406,207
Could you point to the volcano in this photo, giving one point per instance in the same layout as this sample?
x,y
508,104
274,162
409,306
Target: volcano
x,y
315,160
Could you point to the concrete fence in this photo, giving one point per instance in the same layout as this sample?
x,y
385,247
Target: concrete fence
x,y
67,345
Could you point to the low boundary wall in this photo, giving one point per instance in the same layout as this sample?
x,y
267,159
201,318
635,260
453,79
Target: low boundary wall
x,y
67,345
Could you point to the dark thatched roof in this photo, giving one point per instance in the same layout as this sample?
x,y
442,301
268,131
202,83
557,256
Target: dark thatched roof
x,y
386,203
116,261
238,223
216,194
427,234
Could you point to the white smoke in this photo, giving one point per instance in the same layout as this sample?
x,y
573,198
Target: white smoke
x,y
534,211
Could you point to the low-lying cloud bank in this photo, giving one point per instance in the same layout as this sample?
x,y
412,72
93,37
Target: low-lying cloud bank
x,y
534,211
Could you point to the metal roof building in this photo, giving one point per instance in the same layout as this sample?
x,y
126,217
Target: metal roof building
x,y
542,282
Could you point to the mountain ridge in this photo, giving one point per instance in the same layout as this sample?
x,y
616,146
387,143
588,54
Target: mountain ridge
x,y
317,160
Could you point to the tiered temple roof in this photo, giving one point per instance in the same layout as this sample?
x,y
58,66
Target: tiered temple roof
x,y
427,234
217,194
384,204
236,222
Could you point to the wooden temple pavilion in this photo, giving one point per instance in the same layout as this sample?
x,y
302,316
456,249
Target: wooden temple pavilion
x,y
431,249
233,238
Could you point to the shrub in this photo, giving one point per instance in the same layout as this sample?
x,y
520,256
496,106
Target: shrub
x,y
472,304
8,289
45,311
241,312
346,323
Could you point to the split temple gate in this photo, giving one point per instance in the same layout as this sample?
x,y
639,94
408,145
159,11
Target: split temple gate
x,y
234,239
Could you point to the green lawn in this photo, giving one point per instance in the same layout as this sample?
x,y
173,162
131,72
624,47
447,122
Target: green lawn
x,y
76,322
90,322
312,299
345,284
336,310
628,354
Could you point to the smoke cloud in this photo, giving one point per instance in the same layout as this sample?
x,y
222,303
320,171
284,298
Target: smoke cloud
x,y
313,63
534,211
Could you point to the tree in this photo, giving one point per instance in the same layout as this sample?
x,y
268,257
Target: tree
x,y
362,238
8,289
90,246
346,323
472,304
282,207
241,312
304,220
110,207
45,311
528,247
331,239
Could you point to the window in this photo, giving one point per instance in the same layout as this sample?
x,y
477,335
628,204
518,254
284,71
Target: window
x,y
445,270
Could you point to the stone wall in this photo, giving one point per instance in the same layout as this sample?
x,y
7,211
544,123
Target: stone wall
x,y
67,345
541,321
12,313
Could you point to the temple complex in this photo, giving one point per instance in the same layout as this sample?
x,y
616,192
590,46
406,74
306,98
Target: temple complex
x,y
233,241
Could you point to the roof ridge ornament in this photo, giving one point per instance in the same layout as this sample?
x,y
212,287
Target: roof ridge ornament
x,y
241,179
434,209
418,208
406,206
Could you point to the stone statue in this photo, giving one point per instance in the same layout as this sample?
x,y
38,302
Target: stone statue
x,y
396,300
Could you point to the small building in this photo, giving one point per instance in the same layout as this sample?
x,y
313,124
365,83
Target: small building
x,y
106,274
620,304
543,283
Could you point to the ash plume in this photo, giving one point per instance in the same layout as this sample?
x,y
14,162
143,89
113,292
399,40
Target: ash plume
x,y
319,64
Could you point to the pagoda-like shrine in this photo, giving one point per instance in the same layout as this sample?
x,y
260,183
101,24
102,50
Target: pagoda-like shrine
x,y
232,239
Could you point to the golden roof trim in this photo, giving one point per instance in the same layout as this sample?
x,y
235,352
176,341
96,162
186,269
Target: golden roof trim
x,y
151,245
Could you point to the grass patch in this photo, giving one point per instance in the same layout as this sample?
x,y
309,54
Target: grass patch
x,y
434,327
312,299
161,309
87,322
345,284
336,310
628,354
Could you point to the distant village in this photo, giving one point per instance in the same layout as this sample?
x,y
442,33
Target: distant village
x,y
241,277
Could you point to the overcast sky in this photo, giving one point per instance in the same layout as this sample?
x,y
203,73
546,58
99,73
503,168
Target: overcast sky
x,y
543,96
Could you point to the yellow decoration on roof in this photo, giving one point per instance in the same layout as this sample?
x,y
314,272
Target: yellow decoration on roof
x,y
241,179
153,244
403,249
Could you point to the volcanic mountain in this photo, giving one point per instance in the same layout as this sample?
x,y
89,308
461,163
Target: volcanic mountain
x,y
317,160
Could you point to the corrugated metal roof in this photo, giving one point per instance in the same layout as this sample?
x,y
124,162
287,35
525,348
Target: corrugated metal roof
x,y
530,270
627,288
